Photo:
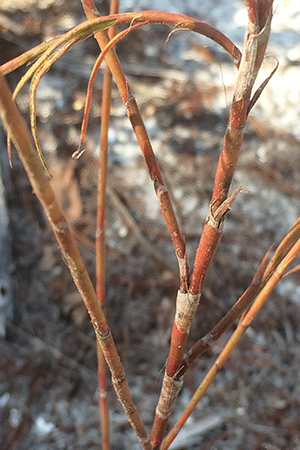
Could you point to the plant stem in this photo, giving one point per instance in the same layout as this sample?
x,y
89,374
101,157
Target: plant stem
x,y
100,236
254,50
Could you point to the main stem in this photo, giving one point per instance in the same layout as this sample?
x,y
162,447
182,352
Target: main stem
x,y
255,44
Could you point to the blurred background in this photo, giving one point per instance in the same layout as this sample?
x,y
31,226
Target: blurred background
x,y
183,85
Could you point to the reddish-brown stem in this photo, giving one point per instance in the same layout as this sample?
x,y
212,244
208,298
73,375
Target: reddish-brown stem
x,y
177,20
103,400
100,237
254,50
101,194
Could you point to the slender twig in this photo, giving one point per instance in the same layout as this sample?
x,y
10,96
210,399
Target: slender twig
x,y
100,236
175,20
